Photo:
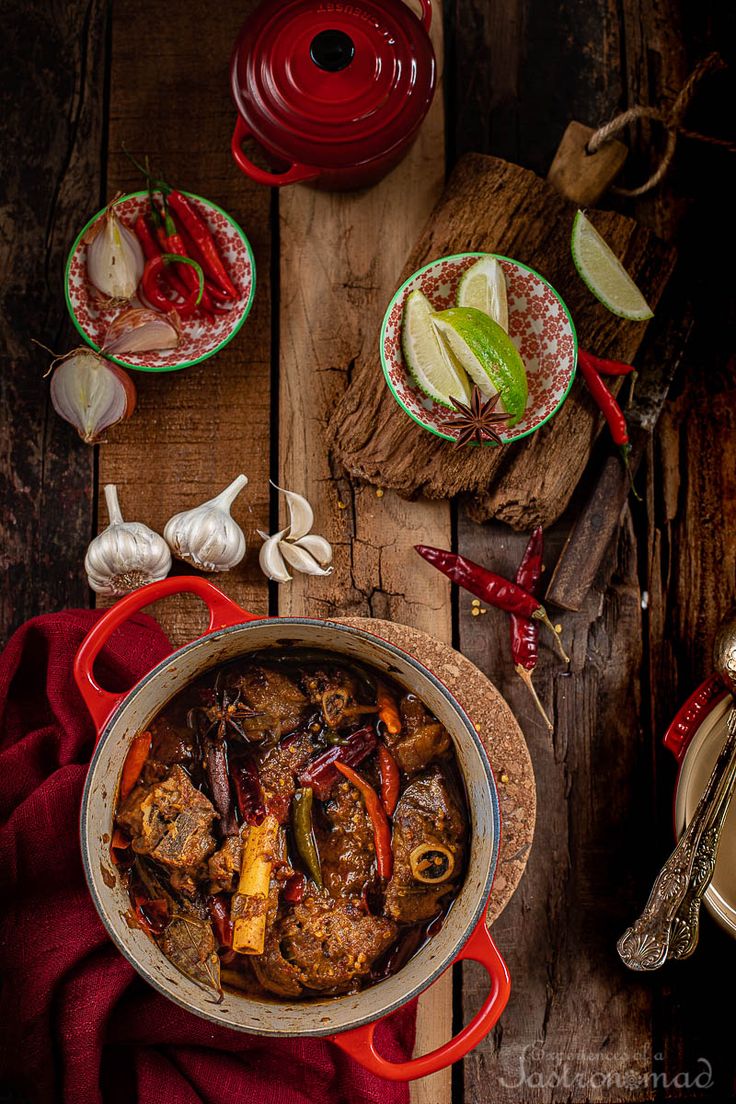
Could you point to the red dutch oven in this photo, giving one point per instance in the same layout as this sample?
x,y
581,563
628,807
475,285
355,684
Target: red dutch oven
x,y
349,1021
695,738
334,91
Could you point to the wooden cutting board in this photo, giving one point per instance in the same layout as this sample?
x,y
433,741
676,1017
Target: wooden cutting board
x,y
494,206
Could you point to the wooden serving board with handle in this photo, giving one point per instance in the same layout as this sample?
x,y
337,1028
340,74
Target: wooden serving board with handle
x,y
494,206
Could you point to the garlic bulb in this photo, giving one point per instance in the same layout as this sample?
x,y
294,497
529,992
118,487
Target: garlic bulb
x,y
115,260
126,555
295,546
207,536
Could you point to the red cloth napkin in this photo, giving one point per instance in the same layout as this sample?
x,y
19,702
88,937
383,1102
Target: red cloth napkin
x,y
76,1022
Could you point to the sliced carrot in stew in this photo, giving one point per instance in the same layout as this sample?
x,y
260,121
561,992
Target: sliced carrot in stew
x,y
137,754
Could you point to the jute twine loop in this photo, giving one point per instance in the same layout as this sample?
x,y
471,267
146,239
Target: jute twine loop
x,y
672,122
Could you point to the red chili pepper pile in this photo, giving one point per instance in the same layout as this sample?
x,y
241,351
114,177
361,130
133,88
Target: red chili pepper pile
x,y
184,270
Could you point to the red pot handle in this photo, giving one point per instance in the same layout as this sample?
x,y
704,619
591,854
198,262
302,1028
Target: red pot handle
x,y
686,723
426,13
360,1045
223,612
293,174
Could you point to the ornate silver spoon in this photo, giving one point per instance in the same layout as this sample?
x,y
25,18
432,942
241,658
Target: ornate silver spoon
x,y
668,926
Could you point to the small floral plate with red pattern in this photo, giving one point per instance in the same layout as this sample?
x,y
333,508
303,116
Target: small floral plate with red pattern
x,y
201,337
539,325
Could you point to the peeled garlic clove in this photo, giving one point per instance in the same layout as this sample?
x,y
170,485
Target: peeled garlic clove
x,y
207,536
115,259
318,547
126,555
301,515
270,558
140,330
301,560
91,393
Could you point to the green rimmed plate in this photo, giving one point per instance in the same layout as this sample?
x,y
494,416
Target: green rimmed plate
x,y
201,338
539,325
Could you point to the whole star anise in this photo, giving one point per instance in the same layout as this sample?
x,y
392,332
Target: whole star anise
x,y
475,421
217,721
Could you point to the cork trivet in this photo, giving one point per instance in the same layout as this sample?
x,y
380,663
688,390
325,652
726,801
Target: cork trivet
x,y
502,738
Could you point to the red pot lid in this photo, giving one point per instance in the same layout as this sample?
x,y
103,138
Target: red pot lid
x,y
333,84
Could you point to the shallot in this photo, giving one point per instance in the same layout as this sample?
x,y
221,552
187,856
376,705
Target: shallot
x,y
139,330
115,260
91,393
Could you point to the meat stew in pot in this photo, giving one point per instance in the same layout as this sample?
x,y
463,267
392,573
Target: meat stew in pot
x,y
291,825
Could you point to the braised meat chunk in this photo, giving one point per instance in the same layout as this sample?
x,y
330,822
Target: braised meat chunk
x,y
274,695
278,768
346,845
171,821
324,946
336,692
224,866
428,845
422,739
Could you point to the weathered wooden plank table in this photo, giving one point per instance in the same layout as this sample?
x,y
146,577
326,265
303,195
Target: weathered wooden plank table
x,y
82,80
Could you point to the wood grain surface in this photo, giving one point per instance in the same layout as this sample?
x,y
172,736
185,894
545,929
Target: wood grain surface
x,y
195,430
497,207
578,1026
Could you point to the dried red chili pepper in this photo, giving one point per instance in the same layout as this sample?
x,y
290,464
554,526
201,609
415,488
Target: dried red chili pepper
x,y
322,772
524,631
489,587
379,821
609,408
248,791
219,910
294,889
388,771
151,914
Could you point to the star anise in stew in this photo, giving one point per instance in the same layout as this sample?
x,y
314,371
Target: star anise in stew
x,y
223,717
475,421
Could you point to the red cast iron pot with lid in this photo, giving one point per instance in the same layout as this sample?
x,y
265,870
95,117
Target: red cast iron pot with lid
x,y
334,90
350,1020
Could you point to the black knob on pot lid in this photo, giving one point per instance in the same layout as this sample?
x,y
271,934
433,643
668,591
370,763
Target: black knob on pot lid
x,y
332,50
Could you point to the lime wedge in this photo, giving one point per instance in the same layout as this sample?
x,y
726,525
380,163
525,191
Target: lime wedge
x,y
603,273
434,369
487,354
484,287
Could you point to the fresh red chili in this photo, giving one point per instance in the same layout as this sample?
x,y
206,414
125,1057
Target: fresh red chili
x,y
390,779
488,586
605,367
219,910
201,235
155,268
379,821
609,408
151,249
321,773
524,631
